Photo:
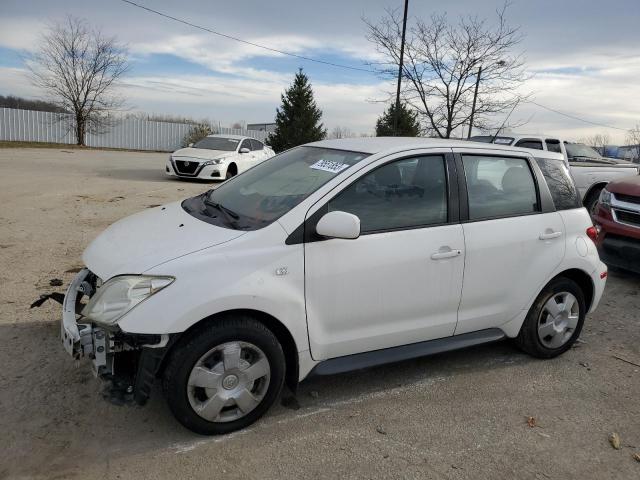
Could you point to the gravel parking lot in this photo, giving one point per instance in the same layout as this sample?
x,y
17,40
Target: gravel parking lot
x,y
457,415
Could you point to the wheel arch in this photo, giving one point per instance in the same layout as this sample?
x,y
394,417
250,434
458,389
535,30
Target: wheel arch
x,y
281,332
233,167
596,187
581,277
583,280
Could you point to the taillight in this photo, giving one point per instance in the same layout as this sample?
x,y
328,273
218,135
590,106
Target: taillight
x,y
592,233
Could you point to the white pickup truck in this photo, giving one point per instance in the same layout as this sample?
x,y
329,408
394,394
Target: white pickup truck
x,y
590,171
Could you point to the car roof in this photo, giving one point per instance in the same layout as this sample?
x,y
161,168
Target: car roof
x,y
222,135
373,145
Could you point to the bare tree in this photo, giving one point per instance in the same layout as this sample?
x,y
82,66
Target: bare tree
x,y
78,68
598,141
341,132
633,139
442,61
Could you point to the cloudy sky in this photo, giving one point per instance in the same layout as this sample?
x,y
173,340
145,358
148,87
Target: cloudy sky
x,y
584,56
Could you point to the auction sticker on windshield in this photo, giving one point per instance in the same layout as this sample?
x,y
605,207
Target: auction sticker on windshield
x,y
329,166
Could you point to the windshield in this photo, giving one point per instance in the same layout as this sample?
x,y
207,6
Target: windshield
x,y
579,150
489,138
218,143
267,191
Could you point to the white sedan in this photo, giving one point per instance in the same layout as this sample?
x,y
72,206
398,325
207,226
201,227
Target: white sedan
x,y
217,157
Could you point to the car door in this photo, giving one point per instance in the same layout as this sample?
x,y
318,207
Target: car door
x,y
514,238
259,151
245,160
400,281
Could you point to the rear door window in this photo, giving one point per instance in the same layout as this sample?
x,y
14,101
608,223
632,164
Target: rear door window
x,y
499,187
563,189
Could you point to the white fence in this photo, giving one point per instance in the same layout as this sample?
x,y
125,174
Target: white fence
x,y
130,133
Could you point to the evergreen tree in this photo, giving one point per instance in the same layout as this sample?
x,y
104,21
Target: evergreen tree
x,y
408,125
298,118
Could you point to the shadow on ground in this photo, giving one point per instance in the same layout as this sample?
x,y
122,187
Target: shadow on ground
x,y
54,405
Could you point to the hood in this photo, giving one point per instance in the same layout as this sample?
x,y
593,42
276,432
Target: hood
x,y
626,186
142,241
201,153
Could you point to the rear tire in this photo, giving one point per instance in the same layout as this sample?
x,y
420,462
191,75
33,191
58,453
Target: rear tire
x,y
224,376
554,321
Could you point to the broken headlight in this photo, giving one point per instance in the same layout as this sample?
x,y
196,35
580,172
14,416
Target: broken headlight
x,y
120,294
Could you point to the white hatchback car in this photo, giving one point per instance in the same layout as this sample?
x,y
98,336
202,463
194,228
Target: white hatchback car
x,y
217,157
334,256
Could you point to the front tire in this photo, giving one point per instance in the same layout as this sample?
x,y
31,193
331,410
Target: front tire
x,y
224,376
591,202
554,321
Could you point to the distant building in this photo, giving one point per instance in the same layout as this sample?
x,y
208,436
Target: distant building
x,y
262,127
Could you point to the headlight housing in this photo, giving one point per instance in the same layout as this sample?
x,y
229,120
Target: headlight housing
x,y
605,197
217,161
120,294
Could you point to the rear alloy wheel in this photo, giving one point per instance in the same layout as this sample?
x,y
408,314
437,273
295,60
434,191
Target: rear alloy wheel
x,y
554,321
225,375
558,320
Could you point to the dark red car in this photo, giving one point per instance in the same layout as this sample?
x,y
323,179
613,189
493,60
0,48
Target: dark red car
x,y
617,220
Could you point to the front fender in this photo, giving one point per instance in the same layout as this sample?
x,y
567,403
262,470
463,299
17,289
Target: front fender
x,y
259,273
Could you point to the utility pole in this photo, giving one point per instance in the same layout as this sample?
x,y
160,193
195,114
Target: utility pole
x,y
473,106
404,31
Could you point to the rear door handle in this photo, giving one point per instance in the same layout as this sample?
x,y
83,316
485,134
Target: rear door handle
x,y
549,235
445,252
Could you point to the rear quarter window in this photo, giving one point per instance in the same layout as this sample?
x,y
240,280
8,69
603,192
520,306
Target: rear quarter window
x,y
563,189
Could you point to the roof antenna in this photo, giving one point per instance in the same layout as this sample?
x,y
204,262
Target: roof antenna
x,y
493,139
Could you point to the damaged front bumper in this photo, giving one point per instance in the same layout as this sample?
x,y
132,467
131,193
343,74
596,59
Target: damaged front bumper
x,y
130,361
82,339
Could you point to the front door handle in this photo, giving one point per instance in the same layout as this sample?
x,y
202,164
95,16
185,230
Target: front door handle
x,y
445,252
549,235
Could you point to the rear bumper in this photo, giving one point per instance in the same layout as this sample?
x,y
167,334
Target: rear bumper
x,y
599,279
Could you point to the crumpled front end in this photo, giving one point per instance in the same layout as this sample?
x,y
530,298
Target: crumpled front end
x,y
129,361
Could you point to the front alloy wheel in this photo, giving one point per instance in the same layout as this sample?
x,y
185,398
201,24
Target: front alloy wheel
x,y
228,381
224,375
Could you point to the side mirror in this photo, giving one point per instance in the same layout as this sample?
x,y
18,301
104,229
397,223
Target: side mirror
x,y
191,145
244,150
339,224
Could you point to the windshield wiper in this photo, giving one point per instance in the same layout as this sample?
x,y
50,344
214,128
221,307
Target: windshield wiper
x,y
228,212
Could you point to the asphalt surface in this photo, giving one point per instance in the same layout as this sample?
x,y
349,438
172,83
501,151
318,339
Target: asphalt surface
x,y
459,415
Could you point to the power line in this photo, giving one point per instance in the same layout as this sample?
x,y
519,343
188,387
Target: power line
x,y
574,117
231,37
332,64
